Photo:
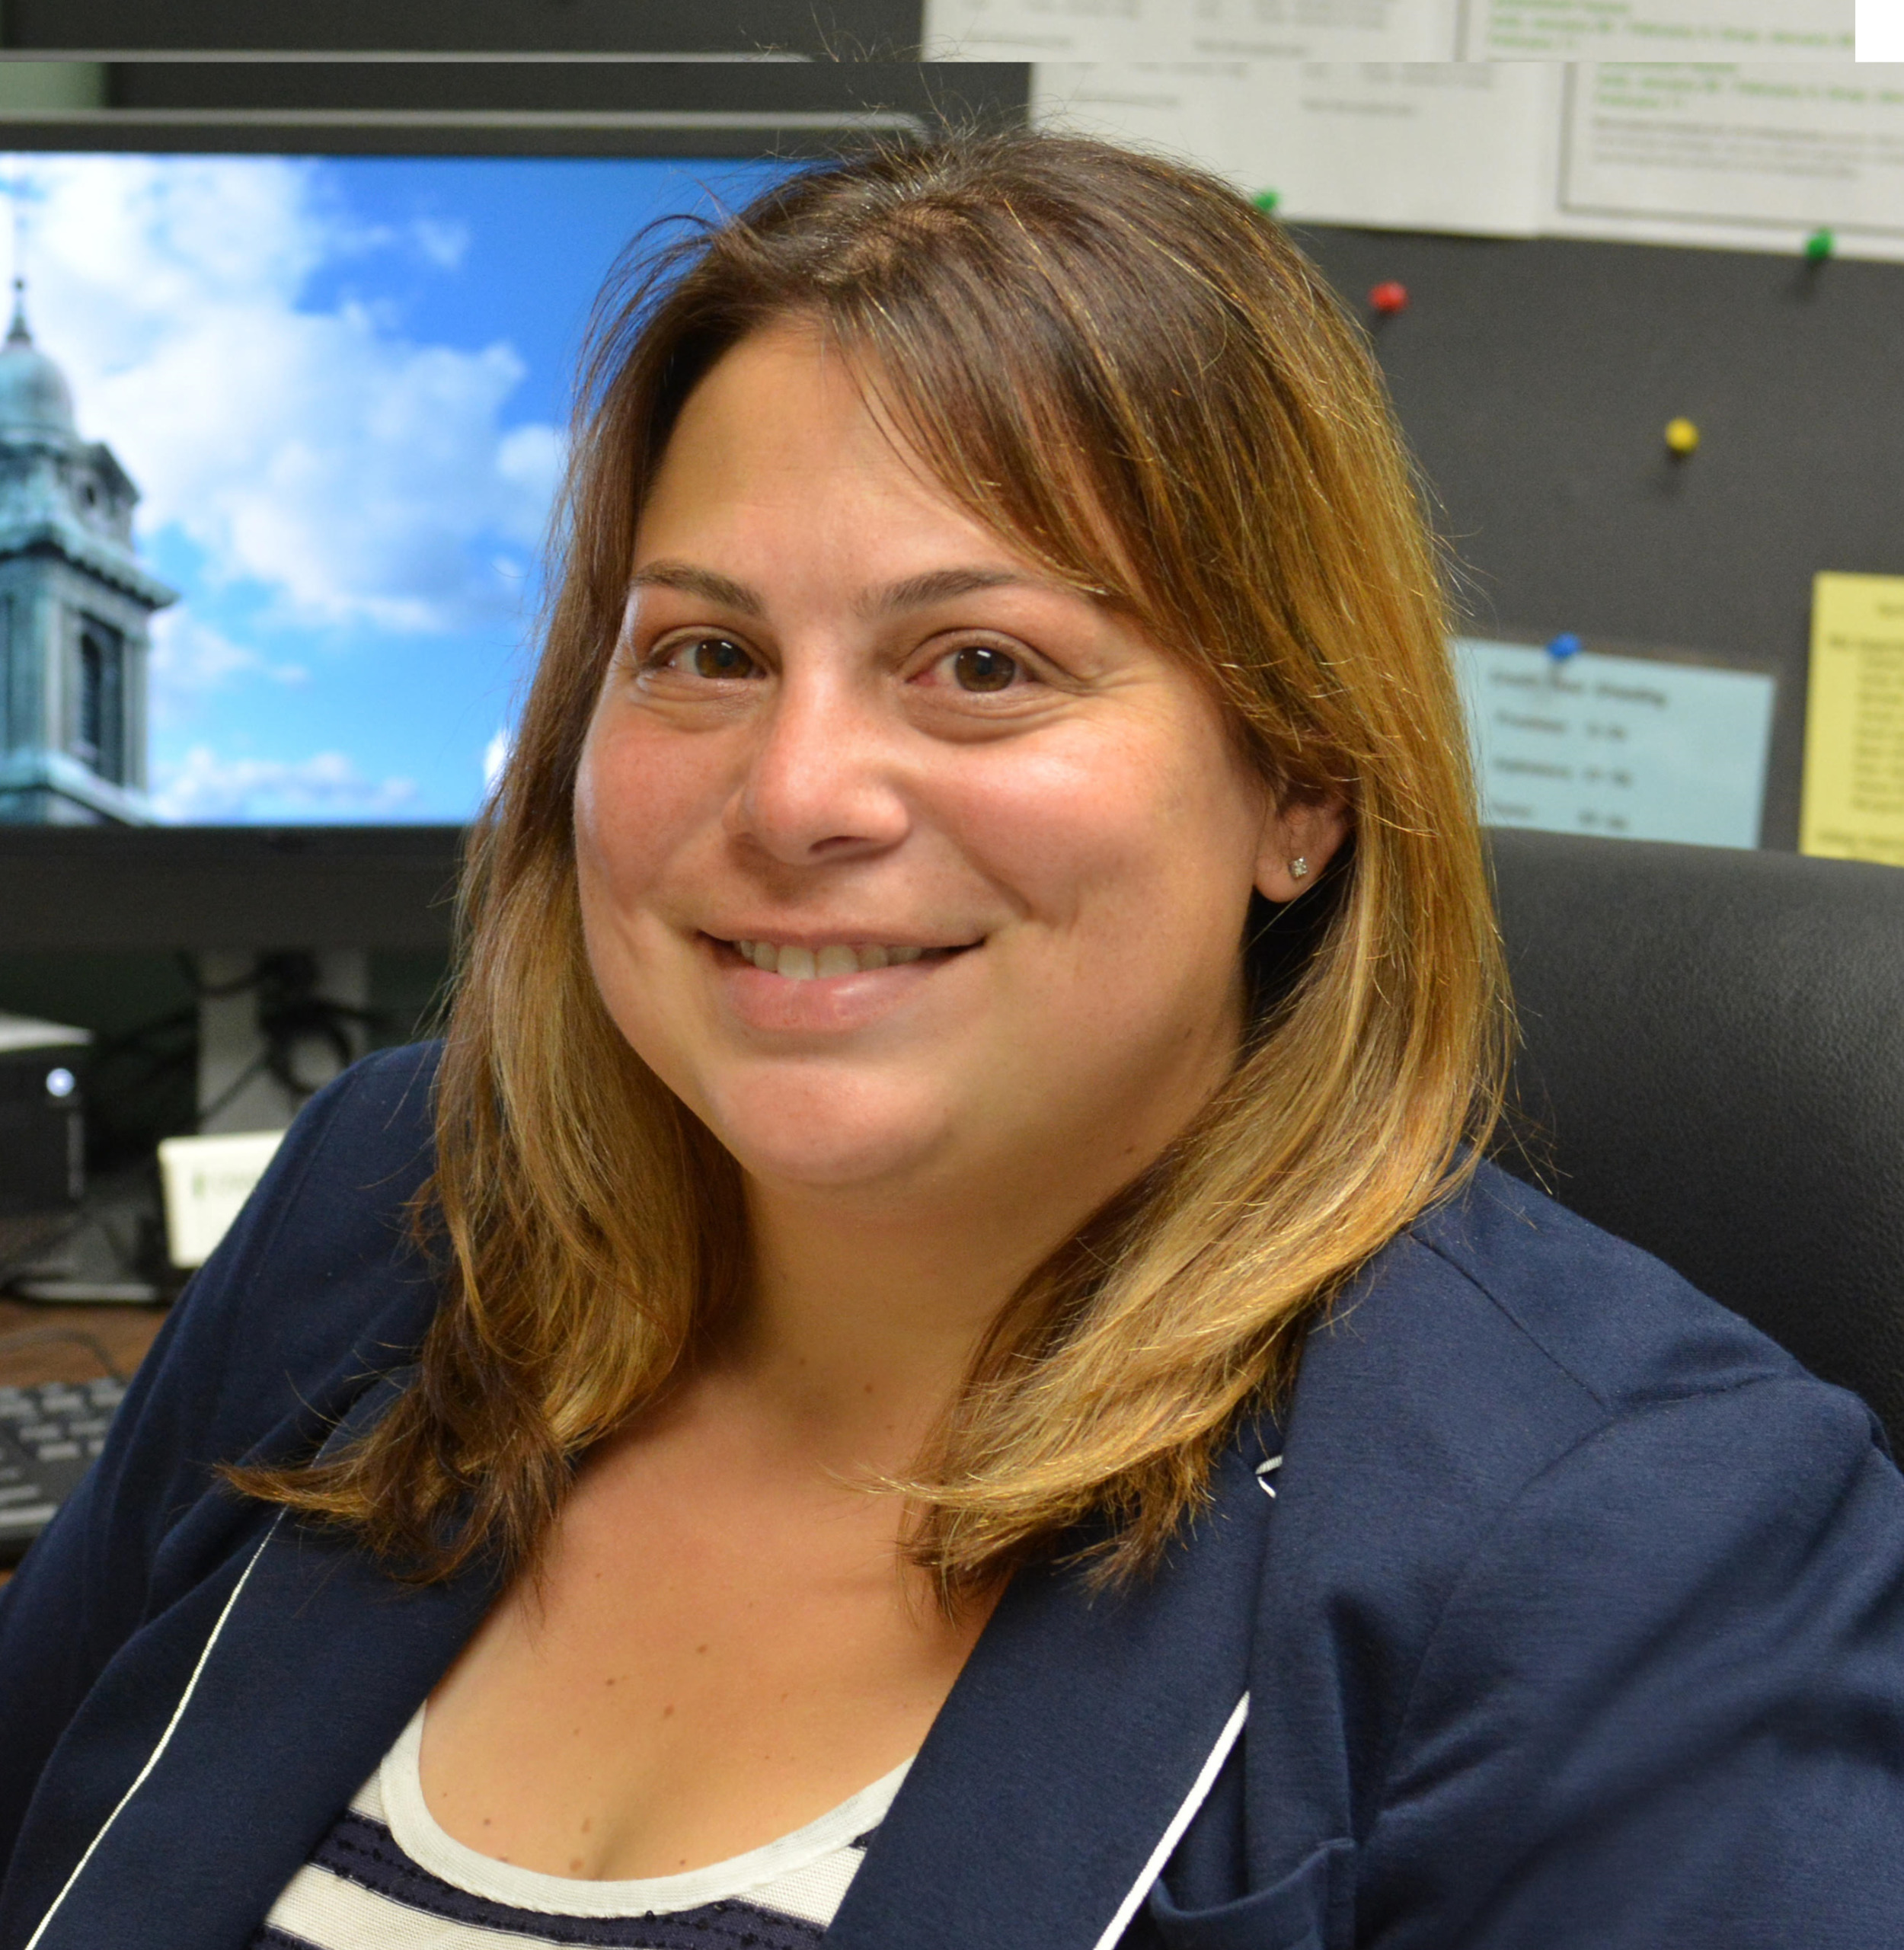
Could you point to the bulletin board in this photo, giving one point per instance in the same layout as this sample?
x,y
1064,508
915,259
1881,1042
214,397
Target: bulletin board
x,y
1534,379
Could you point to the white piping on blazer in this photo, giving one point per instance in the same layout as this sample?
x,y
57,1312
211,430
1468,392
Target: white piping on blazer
x,y
1166,1843
164,1739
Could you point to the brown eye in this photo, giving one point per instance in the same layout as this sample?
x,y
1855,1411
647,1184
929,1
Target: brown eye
x,y
715,656
978,668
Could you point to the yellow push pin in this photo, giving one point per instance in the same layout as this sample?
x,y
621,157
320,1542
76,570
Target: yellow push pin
x,y
1681,437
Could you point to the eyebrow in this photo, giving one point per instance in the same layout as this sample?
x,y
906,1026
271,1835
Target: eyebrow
x,y
703,582
919,591
912,592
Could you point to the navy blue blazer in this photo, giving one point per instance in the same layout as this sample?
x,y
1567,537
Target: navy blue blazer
x,y
1572,1616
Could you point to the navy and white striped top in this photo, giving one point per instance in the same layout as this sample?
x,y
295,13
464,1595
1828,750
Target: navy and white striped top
x,y
387,1877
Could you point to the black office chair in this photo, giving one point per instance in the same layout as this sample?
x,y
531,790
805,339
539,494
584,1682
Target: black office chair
x,y
1713,1066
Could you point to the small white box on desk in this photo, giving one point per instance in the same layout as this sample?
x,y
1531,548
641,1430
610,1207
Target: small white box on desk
x,y
206,1180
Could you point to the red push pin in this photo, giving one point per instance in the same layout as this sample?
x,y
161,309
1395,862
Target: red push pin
x,y
1389,298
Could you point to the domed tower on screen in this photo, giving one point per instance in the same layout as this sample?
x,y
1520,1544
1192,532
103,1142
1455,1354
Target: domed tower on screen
x,y
75,608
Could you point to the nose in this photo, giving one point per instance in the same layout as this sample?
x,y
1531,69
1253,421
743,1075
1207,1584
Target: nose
x,y
821,780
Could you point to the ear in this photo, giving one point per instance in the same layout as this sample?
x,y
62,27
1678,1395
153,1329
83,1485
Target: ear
x,y
1300,837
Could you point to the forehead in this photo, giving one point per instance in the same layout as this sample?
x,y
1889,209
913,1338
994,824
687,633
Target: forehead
x,y
784,401
786,435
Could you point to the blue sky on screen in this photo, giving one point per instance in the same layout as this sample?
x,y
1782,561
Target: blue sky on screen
x,y
340,383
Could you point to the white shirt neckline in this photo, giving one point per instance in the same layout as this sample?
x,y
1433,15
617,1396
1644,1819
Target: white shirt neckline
x,y
417,1833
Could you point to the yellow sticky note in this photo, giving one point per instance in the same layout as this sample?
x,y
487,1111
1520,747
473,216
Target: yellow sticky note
x,y
1853,807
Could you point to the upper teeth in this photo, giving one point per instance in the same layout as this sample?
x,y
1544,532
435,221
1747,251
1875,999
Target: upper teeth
x,y
802,964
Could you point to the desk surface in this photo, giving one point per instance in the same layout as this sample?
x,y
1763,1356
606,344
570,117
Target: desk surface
x,y
72,1344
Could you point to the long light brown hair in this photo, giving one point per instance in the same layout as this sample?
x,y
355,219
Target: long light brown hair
x,y
1132,376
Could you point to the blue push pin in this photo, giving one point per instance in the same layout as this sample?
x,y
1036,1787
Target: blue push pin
x,y
1564,646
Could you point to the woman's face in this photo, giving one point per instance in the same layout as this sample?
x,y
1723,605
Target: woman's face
x,y
905,867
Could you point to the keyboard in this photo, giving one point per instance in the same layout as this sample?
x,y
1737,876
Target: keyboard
x,y
49,1433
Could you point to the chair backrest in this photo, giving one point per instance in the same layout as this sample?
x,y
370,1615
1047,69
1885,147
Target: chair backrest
x,y
1713,1066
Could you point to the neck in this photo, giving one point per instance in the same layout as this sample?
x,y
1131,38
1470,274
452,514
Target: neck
x,y
862,1322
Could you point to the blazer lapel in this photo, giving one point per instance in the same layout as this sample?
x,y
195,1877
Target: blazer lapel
x,y
1071,1750
319,1660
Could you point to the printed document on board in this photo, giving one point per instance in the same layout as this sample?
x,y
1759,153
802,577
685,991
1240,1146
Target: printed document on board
x,y
1190,29
1657,30
1853,803
1432,145
1628,747
1691,154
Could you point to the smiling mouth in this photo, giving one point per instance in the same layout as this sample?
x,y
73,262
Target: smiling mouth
x,y
797,964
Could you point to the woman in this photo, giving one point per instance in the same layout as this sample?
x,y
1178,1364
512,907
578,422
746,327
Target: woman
x,y
956,1379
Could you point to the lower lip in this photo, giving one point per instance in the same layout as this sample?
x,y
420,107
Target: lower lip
x,y
821,1003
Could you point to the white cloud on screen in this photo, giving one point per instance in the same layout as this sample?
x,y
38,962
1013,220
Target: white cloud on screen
x,y
205,788
443,243
350,470
190,657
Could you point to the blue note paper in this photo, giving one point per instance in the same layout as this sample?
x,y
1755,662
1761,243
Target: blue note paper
x,y
1618,746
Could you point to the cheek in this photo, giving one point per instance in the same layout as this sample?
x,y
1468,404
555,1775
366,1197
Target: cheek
x,y
641,804
642,820
1119,841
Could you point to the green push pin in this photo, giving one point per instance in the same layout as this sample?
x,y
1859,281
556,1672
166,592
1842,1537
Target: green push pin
x,y
1265,200
1819,246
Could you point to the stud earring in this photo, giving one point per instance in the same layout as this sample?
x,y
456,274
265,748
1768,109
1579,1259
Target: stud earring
x,y
1298,868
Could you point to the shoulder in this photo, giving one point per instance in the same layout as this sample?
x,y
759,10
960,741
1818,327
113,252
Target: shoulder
x,y
1622,1326
1501,1329
1502,1334
316,1288
337,1194
321,1256
1533,1363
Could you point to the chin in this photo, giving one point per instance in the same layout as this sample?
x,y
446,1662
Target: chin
x,y
827,1133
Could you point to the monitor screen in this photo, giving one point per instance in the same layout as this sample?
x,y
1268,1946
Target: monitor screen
x,y
306,416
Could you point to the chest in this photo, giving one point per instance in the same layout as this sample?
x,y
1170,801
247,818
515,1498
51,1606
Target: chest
x,y
705,1659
